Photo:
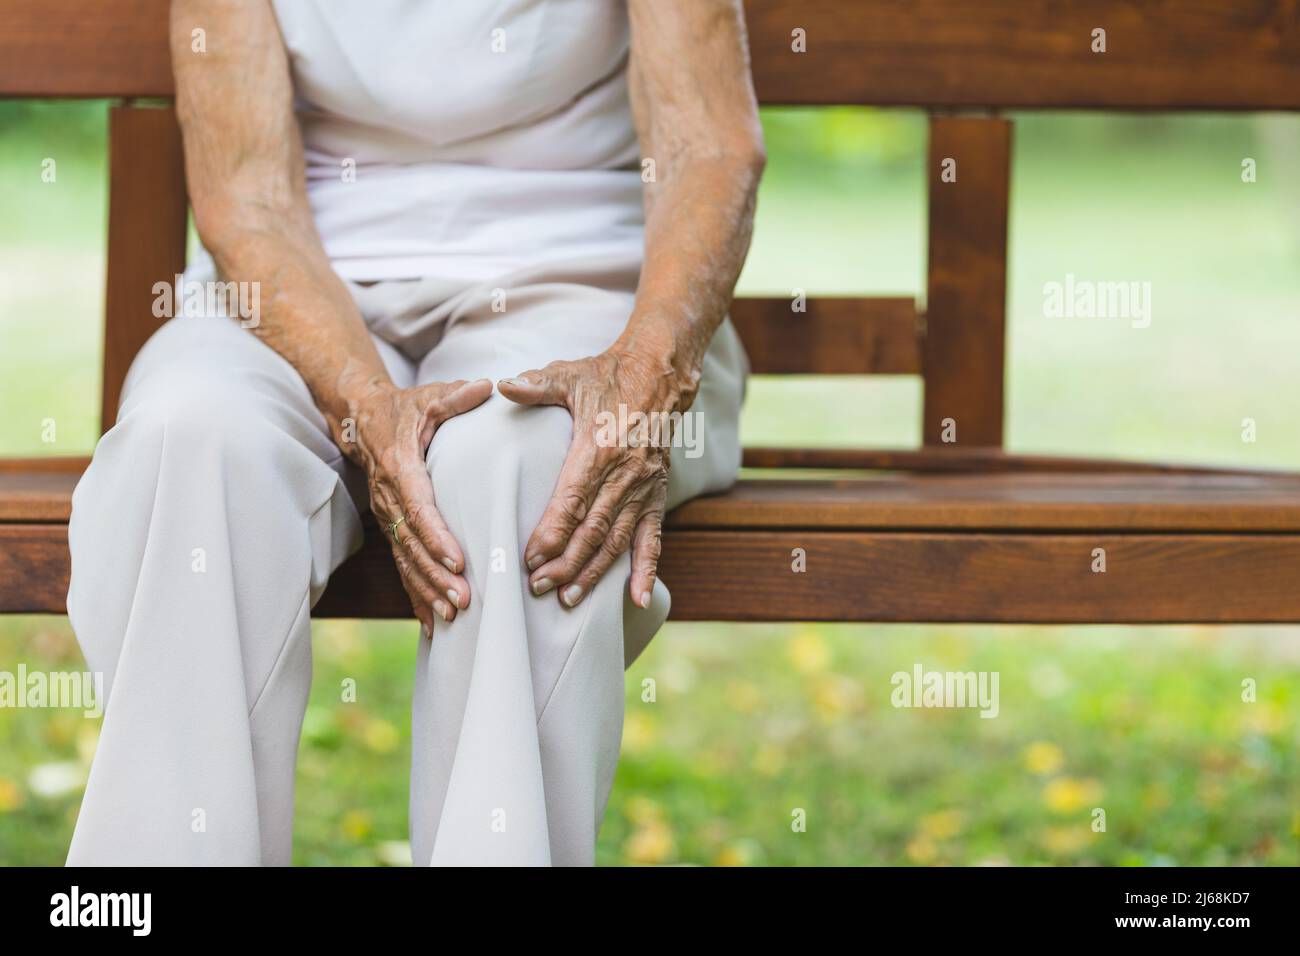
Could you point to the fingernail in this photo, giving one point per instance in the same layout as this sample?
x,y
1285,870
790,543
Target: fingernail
x,y
444,612
645,598
542,585
535,562
455,597
512,381
572,594
451,565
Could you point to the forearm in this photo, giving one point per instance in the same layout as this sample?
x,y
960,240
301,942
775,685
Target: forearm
x,y
698,230
244,166
306,314
697,119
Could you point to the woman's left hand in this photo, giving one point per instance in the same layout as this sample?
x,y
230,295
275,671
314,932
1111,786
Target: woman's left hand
x,y
611,491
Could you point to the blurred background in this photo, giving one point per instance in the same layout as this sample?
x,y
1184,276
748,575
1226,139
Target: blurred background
x,y
750,722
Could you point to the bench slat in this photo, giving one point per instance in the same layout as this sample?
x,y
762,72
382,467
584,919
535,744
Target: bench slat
x,y
854,576
1001,501
1035,54
1161,54
1006,578
846,336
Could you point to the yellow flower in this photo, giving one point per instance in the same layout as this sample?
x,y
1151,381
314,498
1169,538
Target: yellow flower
x,y
1043,758
743,696
642,810
737,853
87,740
1264,718
921,850
381,736
769,761
942,825
652,842
356,824
639,731
1067,839
11,795
809,652
1069,794
835,697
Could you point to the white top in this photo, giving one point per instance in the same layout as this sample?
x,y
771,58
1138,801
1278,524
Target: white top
x,y
465,139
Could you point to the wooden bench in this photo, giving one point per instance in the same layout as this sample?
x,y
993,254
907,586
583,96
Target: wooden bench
x,y
946,532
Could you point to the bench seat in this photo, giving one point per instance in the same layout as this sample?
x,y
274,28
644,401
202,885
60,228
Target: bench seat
x,y
887,547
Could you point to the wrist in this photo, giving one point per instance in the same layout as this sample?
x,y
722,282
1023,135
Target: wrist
x,y
675,365
357,395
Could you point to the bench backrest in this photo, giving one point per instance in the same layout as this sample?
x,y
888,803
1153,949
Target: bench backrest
x,y
961,59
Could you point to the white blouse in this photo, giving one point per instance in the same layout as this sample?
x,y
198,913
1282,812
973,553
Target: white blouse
x,y
465,139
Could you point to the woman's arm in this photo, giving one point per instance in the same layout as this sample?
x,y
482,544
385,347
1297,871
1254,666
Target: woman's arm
x,y
697,118
244,165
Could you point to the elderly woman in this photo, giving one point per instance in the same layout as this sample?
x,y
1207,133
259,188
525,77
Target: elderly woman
x,y
480,232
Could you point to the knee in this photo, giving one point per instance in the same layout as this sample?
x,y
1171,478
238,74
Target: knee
x,y
501,450
200,412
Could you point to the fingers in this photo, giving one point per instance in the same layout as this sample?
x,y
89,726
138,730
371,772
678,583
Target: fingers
x,y
548,386
611,547
417,590
416,504
586,536
427,555
647,541
581,478
464,397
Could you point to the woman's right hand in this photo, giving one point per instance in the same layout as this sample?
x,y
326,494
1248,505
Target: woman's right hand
x,y
393,429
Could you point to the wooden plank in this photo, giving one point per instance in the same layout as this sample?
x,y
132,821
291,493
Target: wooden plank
x,y
846,336
965,331
1136,503
991,54
867,576
147,213
34,568
75,48
1011,579
1132,502
1160,54
950,460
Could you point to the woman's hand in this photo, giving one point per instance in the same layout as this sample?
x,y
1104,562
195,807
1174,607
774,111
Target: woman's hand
x,y
611,491
394,427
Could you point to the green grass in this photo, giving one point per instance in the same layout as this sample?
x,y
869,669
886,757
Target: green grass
x,y
751,723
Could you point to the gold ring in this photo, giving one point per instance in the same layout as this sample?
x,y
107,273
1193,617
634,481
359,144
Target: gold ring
x,y
392,528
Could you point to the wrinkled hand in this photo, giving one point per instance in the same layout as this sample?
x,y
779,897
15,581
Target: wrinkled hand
x,y
611,491
394,427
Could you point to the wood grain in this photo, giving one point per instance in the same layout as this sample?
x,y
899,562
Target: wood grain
x,y
950,460
854,576
75,48
1012,579
991,54
965,326
1161,54
1019,501
147,215
846,336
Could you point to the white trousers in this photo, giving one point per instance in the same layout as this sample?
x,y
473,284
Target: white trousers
x,y
211,518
